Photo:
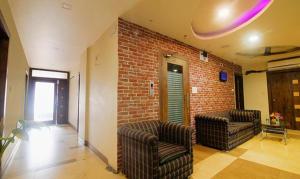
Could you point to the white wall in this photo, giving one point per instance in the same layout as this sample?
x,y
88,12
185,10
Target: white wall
x,y
17,66
73,98
102,75
82,97
256,91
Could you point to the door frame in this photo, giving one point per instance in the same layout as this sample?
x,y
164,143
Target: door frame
x,y
164,59
4,25
5,43
78,103
239,92
31,89
46,80
294,122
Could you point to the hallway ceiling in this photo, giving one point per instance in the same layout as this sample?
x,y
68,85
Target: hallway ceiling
x,y
54,33
279,25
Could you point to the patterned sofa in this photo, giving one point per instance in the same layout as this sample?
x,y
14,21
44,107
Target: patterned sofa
x,y
156,150
241,115
256,121
228,131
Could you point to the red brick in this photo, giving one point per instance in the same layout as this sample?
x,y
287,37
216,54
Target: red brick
x,y
138,64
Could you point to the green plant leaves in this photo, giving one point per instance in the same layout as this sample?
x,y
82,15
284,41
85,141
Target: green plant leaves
x,y
21,123
20,133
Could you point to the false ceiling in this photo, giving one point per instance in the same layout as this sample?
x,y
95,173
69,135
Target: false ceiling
x,y
54,33
278,26
226,17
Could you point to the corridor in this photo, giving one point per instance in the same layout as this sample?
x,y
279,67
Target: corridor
x,y
53,152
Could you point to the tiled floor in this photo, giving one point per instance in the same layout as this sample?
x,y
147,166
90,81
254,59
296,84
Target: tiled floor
x,y
53,153
258,158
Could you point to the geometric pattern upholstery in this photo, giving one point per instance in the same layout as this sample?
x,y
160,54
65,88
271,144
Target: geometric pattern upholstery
x,y
257,121
235,127
168,152
225,133
180,168
212,131
241,116
146,154
248,115
147,126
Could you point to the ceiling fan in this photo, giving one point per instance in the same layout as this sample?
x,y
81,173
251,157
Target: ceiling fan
x,y
269,51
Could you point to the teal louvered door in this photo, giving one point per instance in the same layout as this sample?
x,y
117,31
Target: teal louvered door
x,y
175,94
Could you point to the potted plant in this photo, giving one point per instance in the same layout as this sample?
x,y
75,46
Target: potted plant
x,y
21,132
276,119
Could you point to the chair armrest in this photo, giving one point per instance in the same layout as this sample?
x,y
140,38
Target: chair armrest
x,y
176,134
257,113
242,116
140,136
139,153
223,120
212,131
257,121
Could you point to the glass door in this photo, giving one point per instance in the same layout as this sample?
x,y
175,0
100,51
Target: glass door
x,y
174,90
44,101
175,94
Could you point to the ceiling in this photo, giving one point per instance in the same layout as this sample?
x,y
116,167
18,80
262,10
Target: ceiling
x,y
279,25
223,17
54,37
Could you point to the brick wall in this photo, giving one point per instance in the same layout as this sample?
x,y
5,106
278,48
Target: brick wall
x,y
139,63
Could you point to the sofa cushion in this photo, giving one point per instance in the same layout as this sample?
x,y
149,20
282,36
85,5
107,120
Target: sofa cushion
x,y
235,127
168,152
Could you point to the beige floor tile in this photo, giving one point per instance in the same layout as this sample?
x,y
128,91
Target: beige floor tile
x,y
282,163
202,152
210,166
237,152
271,151
248,170
54,153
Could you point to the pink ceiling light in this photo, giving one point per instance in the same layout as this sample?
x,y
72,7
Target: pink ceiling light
x,y
240,22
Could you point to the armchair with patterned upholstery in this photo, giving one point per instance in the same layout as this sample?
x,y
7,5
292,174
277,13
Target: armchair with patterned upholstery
x,y
156,150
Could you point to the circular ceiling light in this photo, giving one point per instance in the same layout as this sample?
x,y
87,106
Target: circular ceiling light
x,y
254,38
223,13
228,17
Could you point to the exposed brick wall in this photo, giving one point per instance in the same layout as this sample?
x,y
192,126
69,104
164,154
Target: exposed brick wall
x,y
139,63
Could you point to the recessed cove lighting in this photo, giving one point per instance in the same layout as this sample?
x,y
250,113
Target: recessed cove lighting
x,y
233,16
